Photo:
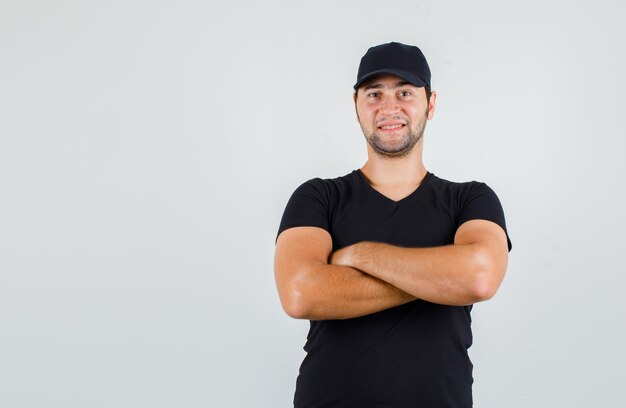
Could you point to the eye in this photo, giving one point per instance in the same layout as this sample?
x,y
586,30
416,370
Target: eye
x,y
373,94
405,93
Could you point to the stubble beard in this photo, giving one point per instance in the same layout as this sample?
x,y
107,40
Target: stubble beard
x,y
399,149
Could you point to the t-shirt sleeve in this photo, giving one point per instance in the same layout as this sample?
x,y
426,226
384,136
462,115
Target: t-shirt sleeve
x,y
307,207
482,203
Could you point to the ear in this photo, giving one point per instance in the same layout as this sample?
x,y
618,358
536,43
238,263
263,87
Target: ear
x,y
354,96
431,105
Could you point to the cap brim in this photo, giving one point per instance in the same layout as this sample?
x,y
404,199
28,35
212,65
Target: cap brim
x,y
407,76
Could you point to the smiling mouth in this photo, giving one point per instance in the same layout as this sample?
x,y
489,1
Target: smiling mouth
x,y
391,127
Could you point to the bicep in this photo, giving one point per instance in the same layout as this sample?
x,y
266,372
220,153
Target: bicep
x,y
481,231
490,239
296,249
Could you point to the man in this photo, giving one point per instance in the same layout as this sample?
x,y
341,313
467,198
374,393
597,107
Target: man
x,y
387,260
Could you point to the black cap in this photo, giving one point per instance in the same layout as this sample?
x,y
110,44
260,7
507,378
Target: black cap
x,y
404,61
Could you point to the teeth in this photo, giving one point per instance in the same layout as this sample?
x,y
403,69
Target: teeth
x,y
391,126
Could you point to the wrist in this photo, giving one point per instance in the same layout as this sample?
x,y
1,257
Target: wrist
x,y
359,255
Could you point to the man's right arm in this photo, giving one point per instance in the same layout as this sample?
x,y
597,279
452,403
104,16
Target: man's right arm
x,y
311,288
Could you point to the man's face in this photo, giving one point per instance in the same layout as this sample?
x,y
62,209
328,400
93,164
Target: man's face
x,y
392,114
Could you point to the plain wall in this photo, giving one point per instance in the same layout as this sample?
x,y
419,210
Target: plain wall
x,y
148,148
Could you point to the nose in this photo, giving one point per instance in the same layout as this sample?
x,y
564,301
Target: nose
x,y
389,104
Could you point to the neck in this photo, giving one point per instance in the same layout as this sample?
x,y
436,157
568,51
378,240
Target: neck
x,y
399,172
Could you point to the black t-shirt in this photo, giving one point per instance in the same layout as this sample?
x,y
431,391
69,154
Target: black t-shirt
x,y
413,355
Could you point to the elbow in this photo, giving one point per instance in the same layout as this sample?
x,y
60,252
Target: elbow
x,y
295,306
482,289
294,300
487,276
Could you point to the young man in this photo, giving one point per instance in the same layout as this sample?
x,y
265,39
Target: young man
x,y
387,260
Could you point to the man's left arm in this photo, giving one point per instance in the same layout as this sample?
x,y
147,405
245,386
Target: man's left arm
x,y
464,273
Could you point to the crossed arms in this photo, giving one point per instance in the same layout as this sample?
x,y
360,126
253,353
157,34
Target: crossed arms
x,y
317,284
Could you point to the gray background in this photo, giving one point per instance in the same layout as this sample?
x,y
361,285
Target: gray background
x,y
148,148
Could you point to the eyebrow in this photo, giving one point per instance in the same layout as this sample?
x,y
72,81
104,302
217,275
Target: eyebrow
x,y
378,85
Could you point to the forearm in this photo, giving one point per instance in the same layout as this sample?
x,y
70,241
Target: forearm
x,y
324,292
451,275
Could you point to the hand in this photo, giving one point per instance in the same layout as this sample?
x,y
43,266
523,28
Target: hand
x,y
342,256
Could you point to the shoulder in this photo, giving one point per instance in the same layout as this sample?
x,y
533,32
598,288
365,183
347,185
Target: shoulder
x,y
327,187
455,185
461,190
472,200
312,203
